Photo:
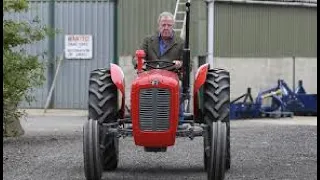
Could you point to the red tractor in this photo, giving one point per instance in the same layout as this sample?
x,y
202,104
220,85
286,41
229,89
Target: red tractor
x,y
153,121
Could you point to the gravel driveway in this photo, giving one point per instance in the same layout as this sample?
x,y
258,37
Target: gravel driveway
x,y
265,149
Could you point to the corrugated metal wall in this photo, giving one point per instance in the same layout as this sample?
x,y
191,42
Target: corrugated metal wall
x,y
247,30
241,30
39,10
198,29
94,17
138,18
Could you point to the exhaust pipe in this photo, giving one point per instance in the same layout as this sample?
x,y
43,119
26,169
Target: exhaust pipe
x,y
186,59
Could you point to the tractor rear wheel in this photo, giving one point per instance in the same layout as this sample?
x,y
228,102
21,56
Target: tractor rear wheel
x,y
103,108
91,150
216,108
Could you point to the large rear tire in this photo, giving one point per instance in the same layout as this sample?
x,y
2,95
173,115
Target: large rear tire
x,y
216,108
91,150
104,109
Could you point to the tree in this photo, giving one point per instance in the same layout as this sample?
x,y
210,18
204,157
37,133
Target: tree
x,y
21,72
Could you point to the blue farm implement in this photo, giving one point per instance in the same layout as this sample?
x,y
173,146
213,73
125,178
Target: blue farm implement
x,y
281,102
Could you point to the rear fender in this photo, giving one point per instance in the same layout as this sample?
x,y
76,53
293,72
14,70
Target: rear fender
x,y
200,79
117,77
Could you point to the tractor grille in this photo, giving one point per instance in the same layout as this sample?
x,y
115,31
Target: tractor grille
x,y
154,109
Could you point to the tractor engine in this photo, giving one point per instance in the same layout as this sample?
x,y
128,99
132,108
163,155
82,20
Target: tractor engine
x,y
155,108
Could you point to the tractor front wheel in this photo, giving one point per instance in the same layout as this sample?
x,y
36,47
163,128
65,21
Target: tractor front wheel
x,y
215,154
91,150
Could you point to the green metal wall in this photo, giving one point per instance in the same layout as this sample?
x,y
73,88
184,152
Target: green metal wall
x,y
247,30
241,30
138,18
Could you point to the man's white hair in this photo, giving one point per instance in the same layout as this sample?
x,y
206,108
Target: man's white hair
x,y
165,14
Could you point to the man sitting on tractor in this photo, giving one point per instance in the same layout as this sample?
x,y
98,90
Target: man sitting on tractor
x,y
165,45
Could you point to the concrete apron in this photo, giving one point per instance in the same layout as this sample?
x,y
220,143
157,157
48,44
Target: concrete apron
x,y
297,120
55,112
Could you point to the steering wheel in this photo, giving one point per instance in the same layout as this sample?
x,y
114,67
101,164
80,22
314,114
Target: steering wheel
x,y
169,64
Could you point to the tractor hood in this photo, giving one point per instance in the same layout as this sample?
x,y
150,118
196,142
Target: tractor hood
x,y
157,78
155,108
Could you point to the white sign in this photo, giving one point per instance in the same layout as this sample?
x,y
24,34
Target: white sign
x,y
78,46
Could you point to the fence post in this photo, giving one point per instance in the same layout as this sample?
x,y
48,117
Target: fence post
x,y
51,53
49,98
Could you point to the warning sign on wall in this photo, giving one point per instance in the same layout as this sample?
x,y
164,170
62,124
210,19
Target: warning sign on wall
x,y
78,46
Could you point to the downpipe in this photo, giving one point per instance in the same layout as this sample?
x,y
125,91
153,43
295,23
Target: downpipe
x,y
210,5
